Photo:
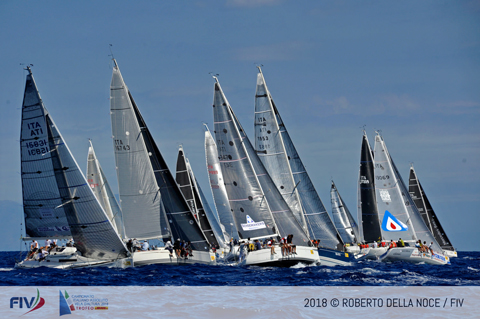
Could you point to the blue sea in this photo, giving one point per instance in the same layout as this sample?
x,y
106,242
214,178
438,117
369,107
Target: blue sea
x,y
463,271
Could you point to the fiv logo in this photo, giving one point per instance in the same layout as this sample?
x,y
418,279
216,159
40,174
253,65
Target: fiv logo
x,y
27,302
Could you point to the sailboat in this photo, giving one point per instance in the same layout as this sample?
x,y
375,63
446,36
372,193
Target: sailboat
x,y
344,222
258,208
152,204
195,198
429,217
58,202
101,188
399,216
368,220
277,152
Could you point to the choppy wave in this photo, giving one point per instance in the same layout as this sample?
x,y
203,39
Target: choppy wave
x,y
462,272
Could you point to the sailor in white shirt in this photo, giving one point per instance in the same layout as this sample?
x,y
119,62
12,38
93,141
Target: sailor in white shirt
x,y
47,243
145,246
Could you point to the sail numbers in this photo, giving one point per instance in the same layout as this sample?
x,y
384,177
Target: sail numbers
x,y
37,147
119,146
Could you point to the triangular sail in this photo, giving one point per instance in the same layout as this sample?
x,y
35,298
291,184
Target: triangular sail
x,y
425,208
91,229
247,201
42,203
270,148
217,185
146,184
394,199
101,188
344,222
319,223
186,182
369,224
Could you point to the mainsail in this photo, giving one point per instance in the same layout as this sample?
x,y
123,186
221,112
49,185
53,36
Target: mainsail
x,y
276,150
247,201
399,217
425,208
285,221
217,184
148,192
369,229
344,222
57,198
190,190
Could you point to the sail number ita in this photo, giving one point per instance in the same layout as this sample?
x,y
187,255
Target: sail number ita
x,y
37,147
119,146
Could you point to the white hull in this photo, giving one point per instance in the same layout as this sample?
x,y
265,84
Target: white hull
x,y
264,257
450,253
68,258
413,255
141,258
353,249
373,253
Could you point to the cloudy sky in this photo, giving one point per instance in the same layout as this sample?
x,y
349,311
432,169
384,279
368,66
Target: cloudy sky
x,y
409,69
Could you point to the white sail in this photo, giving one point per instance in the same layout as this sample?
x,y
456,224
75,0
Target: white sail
x,y
55,186
247,201
346,226
398,216
270,131
149,194
100,187
217,185
270,148
139,194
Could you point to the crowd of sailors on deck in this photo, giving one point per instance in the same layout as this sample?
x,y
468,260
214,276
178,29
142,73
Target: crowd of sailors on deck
x,y
285,244
423,248
40,253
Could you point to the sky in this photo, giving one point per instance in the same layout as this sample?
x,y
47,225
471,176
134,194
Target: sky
x,y
408,69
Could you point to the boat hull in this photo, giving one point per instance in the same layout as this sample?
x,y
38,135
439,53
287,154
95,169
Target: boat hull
x,y
413,255
373,253
264,257
450,253
331,257
73,261
161,256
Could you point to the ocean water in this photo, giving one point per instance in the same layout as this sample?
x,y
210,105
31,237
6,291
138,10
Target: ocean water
x,y
463,271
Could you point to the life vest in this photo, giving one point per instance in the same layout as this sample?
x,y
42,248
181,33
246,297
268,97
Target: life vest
x,y
383,244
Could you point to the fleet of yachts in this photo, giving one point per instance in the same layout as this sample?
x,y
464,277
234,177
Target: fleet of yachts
x,y
266,209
